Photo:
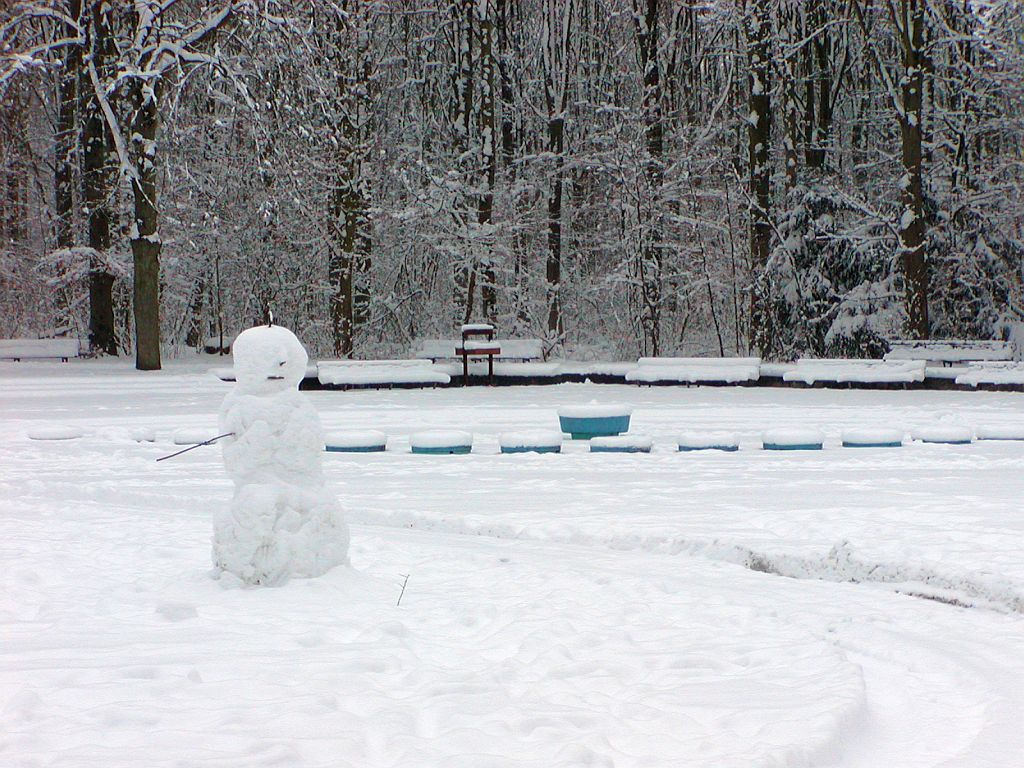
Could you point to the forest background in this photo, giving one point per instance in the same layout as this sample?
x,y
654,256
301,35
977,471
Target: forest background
x,y
617,177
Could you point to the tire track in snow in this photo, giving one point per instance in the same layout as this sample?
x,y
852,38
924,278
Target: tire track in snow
x,y
841,564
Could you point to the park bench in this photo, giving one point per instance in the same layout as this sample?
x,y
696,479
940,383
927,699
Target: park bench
x,y
1000,373
694,370
39,349
344,374
949,352
812,370
478,342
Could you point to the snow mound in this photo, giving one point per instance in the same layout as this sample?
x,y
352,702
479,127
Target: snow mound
x,y
55,432
536,438
699,441
872,438
621,444
792,438
143,435
954,434
1000,432
191,436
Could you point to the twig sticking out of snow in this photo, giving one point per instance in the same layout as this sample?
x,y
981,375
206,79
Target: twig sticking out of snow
x,y
197,445
402,593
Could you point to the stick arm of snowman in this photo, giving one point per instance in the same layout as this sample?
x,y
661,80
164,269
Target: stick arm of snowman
x,y
211,441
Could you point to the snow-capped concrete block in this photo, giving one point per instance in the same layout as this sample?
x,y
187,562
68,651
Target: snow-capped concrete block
x,y
1000,432
880,437
621,444
708,441
355,441
947,434
792,439
531,441
441,442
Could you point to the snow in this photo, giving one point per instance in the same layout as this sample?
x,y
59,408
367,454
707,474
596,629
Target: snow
x,y
191,435
533,438
594,410
950,350
283,521
355,438
628,442
695,369
477,327
511,349
55,432
441,438
362,372
477,346
810,370
944,433
872,436
703,440
560,611
992,373
28,349
792,437
999,432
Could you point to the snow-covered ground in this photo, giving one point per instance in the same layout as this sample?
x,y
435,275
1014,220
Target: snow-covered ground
x,y
847,607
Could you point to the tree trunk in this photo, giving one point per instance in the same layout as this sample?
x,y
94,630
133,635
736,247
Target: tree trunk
x,y
912,226
553,269
350,220
145,239
645,16
99,192
759,125
488,161
465,269
506,55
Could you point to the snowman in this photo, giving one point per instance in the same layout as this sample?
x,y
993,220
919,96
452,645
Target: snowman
x,y
282,521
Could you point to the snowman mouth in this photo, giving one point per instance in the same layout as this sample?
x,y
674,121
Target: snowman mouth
x,y
275,378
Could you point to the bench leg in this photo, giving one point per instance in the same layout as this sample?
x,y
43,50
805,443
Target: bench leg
x,y
490,370
465,370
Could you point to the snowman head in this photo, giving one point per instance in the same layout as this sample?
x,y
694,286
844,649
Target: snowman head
x,y
268,360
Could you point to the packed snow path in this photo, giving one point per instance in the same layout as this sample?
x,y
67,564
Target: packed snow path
x,y
561,610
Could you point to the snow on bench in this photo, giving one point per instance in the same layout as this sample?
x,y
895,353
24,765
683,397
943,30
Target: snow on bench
x,y
992,373
511,349
950,351
345,373
694,370
39,349
811,370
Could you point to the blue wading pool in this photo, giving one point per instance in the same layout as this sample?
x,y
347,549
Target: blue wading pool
x,y
585,423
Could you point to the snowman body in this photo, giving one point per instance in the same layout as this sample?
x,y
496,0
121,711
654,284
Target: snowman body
x,y
282,522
